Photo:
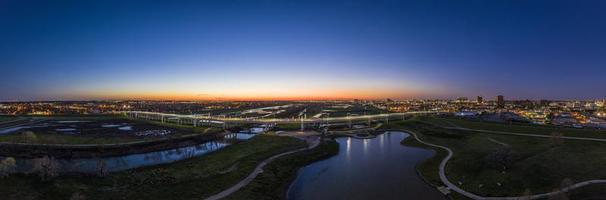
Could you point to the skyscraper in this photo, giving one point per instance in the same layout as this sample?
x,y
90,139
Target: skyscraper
x,y
500,101
480,100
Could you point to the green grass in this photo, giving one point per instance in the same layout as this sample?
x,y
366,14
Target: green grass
x,y
7,118
519,128
273,183
288,127
537,164
428,168
195,178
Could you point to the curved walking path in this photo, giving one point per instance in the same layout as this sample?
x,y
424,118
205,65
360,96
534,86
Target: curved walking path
x,y
258,170
444,179
526,134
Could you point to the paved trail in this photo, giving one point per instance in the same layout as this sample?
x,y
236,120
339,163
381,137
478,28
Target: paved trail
x,y
451,186
259,169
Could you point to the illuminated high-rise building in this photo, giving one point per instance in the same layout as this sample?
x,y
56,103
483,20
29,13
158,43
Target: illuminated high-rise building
x,y
500,101
480,100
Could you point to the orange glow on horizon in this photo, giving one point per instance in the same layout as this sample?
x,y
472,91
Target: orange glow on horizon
x,y
366,94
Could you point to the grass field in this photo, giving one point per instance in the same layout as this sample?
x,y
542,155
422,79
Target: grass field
x,y
288,127
196,178
7,118
273,183
535,164
517,127
51,136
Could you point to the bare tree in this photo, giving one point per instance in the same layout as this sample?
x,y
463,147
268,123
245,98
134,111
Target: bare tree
x,y
46,167
559,195
102,168
7,166
565,184
77,196
556,138
526,195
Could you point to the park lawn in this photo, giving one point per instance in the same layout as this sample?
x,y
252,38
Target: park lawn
x,y
537,164
195,178
428,168
524,128
277,176
7,118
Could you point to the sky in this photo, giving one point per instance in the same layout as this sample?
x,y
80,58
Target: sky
x,y
263,50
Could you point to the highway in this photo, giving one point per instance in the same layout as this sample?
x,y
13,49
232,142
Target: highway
x,y
164,116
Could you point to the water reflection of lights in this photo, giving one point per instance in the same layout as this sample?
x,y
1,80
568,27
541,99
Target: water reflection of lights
x,y
365,145
348,149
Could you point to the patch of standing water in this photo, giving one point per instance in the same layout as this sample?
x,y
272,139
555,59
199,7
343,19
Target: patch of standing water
x,y
126,162
126,128
65,129
109,126
69,122
9,130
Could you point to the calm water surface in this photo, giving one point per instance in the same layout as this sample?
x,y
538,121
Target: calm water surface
x,y
125,162
378,168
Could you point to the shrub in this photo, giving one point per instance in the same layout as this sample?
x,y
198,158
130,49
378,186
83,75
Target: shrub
x,y
7,166
28,137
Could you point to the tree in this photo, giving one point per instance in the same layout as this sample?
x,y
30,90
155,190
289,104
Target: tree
x,y
77,196
556,138
558,195
28,137
46,167
102,168
565,184
526,195
7,166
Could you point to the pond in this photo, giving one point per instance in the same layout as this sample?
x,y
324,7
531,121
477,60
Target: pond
x,y
377,168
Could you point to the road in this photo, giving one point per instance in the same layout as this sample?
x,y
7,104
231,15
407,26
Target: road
x,y
259,169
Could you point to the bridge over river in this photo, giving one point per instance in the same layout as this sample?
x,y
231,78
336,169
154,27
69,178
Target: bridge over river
x,y
206,120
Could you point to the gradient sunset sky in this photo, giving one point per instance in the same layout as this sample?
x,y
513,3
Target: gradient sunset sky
x,y
81,50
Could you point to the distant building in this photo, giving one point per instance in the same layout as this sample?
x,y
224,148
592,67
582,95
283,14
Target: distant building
x,y
480,100
500,101
462,100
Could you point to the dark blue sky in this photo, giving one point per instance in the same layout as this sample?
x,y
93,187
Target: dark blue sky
x,y
302,49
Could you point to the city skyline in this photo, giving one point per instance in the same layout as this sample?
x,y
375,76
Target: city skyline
x,y
281,50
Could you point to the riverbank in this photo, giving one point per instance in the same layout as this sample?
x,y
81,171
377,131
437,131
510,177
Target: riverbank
x,y
190,179
530,164
97,136
25,150
277,176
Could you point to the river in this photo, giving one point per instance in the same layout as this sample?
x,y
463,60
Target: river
x,y
131,161
378,168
